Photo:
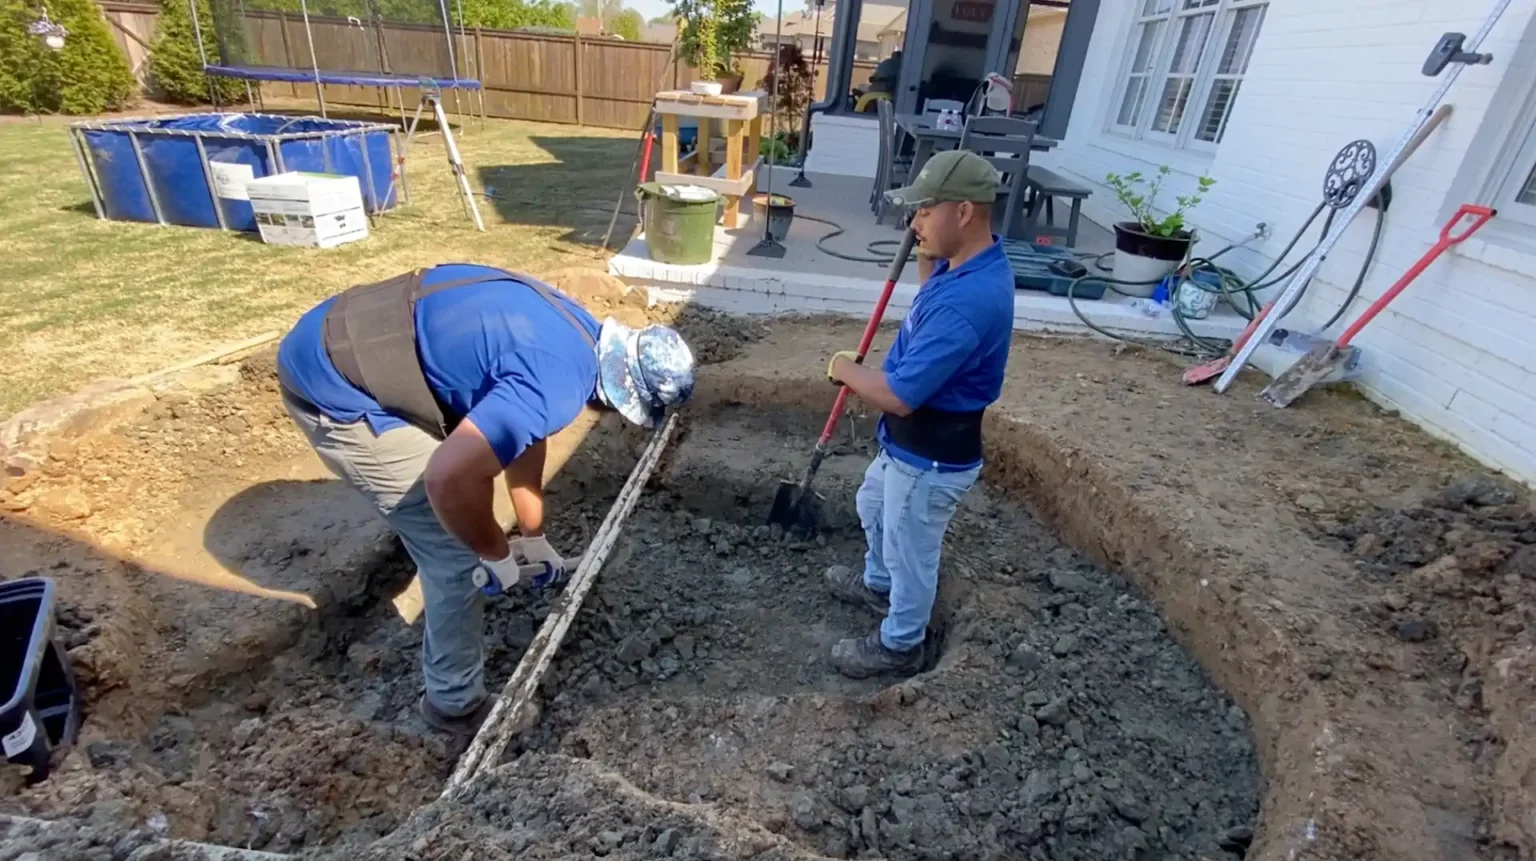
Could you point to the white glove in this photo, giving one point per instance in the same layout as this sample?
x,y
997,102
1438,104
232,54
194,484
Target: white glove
x,y
537,551
496,576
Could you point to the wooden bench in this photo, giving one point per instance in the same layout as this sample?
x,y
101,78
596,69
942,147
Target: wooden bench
x,y
1044,186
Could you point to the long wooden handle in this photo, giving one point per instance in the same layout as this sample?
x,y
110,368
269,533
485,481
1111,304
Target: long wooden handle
x,y
893,275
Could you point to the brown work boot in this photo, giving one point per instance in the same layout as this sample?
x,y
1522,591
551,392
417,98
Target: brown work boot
x,y
848,585
466,724
867,656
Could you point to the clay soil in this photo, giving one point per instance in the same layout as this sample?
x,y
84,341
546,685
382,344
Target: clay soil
x,y
1172,625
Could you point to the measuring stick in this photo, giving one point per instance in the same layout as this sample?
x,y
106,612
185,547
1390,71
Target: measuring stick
x,y
515,710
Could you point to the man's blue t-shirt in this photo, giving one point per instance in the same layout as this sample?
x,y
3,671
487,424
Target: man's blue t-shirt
x,y
953,346
496,352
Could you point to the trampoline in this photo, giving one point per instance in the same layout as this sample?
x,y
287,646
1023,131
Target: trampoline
x,y
352,43
359,79
392,45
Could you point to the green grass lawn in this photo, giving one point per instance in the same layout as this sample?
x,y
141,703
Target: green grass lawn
x,y
82,298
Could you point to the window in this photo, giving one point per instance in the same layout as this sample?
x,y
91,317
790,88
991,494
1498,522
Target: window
x,y
1185,67
1515,198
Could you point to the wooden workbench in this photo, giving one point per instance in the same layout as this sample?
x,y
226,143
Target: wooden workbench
x,y
741,121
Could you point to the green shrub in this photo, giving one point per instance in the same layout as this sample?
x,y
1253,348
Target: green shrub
x,y
175,64
87,76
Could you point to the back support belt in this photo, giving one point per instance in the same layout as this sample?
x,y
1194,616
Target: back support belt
x,y
370,336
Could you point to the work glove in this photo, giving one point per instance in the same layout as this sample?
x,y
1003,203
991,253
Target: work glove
x,y
850,355
537,551
495,576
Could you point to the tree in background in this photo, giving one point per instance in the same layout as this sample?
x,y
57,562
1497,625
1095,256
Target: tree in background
x,y
515,14
795,83
714,31
175,64
626,25
87,75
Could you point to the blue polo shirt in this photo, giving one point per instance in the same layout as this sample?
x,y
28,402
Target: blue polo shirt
x,y
952,350
495,352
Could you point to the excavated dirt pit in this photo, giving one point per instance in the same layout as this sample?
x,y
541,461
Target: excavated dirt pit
x,y
691,711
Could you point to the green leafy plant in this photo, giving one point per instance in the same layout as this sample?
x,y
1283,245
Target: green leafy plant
x,y
713,33
87,75
774,149
626,25
176,66
517,14
1139,195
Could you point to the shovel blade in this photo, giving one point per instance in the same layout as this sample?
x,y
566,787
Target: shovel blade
x,y
797,512
1320,365
1206,372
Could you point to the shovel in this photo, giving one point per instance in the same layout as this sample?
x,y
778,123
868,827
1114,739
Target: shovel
x,y
795,506
1329,359
1214,368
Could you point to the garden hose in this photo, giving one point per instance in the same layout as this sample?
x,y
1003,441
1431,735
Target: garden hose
x,y
1229,284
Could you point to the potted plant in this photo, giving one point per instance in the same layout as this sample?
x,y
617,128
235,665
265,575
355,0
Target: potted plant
x,y
706,62
712,31
778,209
1150,247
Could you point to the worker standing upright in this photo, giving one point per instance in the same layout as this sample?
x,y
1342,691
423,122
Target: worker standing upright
x,y
944,369
419,390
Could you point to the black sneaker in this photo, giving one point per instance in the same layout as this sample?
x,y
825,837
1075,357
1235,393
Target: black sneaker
x,y
866,656
848,585
466,724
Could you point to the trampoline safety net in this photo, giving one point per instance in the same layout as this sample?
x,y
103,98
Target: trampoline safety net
x,y
405,38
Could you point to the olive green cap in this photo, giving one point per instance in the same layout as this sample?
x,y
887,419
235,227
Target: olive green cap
x,y
958,175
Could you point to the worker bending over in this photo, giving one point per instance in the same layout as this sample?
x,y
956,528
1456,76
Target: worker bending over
x,y
944,369
418,391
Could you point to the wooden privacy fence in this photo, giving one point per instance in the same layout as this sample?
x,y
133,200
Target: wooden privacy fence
x,y
527,76
133,28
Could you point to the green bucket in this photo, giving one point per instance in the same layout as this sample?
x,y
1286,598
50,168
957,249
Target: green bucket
x,y
677,230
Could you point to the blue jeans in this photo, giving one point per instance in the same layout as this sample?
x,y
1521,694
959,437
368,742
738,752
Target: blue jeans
x,y
905,511
387,468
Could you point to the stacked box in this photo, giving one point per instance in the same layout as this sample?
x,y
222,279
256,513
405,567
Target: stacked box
x,y
314,210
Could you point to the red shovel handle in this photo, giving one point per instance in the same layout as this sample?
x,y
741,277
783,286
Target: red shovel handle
x,y
1449,236
892,276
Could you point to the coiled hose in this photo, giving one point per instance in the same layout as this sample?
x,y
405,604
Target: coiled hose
x,y
1229,285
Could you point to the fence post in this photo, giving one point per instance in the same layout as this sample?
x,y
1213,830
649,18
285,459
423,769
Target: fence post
x,y
581,111
485,82
282,22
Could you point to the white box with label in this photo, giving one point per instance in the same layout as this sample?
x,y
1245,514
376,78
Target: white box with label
x,y
309,209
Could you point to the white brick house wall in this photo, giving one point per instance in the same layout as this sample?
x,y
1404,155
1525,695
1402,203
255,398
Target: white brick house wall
x,y
1456,352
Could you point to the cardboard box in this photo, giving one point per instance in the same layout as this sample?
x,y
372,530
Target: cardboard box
x,y
314,210
324,231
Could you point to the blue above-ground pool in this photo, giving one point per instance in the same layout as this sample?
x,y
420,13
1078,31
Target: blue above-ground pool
x,y
166,170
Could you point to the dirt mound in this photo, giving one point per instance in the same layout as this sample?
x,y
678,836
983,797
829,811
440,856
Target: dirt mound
x,y
713,336
1458,571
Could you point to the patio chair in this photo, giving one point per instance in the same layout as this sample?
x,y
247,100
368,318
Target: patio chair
x,y
1005,143
892,168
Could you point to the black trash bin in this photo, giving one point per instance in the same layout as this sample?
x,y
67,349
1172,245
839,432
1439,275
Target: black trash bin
x,y
41,703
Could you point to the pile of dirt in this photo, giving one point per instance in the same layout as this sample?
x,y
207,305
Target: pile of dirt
x,y
1460,572
713,336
